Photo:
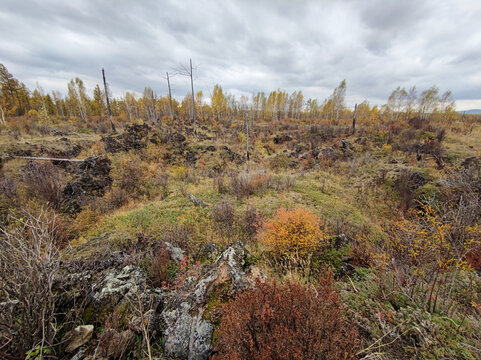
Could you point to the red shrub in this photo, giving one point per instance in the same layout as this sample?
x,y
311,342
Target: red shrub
x,y
159,269
473,258
289,321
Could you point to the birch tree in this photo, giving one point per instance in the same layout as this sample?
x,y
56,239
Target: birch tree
x,y
428,101
338,99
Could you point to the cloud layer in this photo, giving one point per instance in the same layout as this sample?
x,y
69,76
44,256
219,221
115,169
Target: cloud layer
x,y
248,46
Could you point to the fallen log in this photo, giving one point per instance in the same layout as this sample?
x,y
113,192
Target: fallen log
x,y
57,159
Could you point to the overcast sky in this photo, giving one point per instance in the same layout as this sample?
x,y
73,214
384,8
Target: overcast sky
x,y
248,45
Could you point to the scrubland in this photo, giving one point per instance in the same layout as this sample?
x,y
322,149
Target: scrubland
x,y
366,243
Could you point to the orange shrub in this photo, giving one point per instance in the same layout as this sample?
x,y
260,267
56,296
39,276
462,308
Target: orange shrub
x,y
284,322
293,231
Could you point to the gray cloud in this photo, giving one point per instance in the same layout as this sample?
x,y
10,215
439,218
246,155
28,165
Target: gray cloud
x,y
248,45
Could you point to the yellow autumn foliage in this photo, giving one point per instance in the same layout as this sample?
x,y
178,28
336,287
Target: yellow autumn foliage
x,y
293,231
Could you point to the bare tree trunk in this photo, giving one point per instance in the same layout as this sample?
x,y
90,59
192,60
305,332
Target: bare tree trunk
x,y
154,111
128,108
60,110
108,102
170,99
2,118
193,99
247,134
354,119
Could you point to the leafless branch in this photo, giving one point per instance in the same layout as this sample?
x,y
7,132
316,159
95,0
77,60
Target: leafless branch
x,y
29,261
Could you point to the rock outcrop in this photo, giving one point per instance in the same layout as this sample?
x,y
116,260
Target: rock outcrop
x,y
188,324
184,314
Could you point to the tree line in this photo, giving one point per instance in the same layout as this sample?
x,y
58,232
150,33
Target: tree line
x,y
17,100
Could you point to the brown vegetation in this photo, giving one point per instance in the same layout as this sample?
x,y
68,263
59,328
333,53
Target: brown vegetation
x,y
288,321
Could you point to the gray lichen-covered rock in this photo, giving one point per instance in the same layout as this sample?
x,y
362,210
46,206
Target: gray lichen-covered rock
x,y
117,284
208,253
176,253
126,288
187,332
187,335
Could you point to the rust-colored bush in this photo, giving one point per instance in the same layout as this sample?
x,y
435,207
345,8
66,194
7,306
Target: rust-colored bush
x,y
433,148
289,321
293,232
159,268
113,199
407,182
361,254
473,258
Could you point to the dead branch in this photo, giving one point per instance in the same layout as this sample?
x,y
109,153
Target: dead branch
x,y
29,262
196,201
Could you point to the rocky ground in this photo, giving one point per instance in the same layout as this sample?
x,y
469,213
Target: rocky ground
x,y
182,315
161,231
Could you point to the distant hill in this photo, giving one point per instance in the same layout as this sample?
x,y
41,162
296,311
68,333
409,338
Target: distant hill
x,y
471,112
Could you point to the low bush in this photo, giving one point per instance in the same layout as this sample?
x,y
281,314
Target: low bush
x,y
8,187
223,216
29,264
423,260
84,220
161,181
183,236
8,198
127,173
295,231
113,199
162,269
45,182
406,185
219,185
279,162
288,321
244,185
250,222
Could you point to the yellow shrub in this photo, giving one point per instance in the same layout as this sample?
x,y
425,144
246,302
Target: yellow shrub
x,y
180,172
84,220
295,231
386,149
33,113
241,137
